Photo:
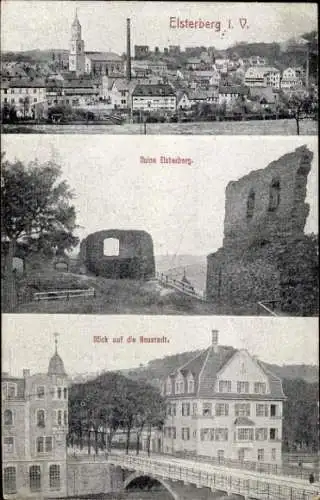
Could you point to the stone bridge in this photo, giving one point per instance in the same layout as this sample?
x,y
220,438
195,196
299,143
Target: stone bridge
x,y
182,479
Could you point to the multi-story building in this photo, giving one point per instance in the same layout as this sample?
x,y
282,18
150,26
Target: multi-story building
x,y
292,78
262,76
160,97
34,429
23,95
226,404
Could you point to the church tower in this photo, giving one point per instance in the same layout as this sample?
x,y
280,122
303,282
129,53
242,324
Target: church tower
x,y
76,55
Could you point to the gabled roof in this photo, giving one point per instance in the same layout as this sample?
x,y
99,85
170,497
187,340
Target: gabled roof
x,y
205,368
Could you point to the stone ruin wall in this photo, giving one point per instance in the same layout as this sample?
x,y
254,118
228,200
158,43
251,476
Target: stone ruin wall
x,y
247,269
135,259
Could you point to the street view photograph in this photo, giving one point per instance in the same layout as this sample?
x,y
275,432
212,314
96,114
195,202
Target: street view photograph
x,y
223,408
205,68
161,226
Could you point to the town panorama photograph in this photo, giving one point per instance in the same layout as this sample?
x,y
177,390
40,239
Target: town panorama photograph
x,y
159,68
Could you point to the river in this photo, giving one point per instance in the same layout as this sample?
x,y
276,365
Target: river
x,y
253,127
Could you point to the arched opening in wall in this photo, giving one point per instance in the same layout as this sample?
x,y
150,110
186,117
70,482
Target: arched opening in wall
x,y
111,247
250,204
274,195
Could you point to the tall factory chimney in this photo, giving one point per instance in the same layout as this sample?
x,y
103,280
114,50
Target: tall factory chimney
x,y
128,50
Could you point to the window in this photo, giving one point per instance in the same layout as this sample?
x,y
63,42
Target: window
x,y
194,409
168,387
220,455
59,392
40,392
245,434
35,478
273,454
54,477
40,418
8,417
207,434
65,418
11,391
260,455
190,385
8,444
221,434
207,409
273,410
44,444
242,409
243,387
59,417
35,99
173,433
260,388
222,409
274,195
224,385
185,433
273,434
185,409
261,434
9,480
262,410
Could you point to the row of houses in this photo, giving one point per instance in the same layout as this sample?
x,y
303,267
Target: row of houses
x,y
31,98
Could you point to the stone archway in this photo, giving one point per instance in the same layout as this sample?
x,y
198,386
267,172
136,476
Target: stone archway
x,y
165,484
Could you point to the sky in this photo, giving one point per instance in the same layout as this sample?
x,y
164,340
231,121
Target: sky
x,y
181,206
28,340
45,24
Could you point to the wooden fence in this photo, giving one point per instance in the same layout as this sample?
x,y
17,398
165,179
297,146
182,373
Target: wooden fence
x,y
64,294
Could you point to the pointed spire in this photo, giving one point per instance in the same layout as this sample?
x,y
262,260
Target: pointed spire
x,y
56,335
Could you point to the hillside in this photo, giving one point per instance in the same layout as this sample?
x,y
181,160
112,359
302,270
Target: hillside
x,y
158,369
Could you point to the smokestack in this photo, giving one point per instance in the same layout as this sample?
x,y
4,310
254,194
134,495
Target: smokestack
x,y
128,50
215,340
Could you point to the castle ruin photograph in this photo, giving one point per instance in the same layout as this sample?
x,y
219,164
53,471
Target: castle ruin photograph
x,y
228,233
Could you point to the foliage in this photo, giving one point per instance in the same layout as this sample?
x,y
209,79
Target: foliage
x,y
113,402
35,210
300,415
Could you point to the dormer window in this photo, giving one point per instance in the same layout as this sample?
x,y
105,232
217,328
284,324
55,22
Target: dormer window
x,y
179,384
190,382
224,385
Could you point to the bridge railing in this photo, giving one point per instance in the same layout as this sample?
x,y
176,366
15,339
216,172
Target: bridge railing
x,y
266,468
238,482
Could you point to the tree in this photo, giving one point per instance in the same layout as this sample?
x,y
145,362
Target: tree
x,y
300,106
35,209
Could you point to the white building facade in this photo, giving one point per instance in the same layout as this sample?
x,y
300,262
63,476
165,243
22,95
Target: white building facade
x,y
224,404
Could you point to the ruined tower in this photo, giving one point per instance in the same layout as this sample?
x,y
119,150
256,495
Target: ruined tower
x,y
265,216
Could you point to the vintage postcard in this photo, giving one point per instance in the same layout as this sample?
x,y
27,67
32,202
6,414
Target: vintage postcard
x,y
190,68
159,244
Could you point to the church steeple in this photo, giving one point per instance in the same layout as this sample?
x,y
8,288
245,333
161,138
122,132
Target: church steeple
x,y
76,55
